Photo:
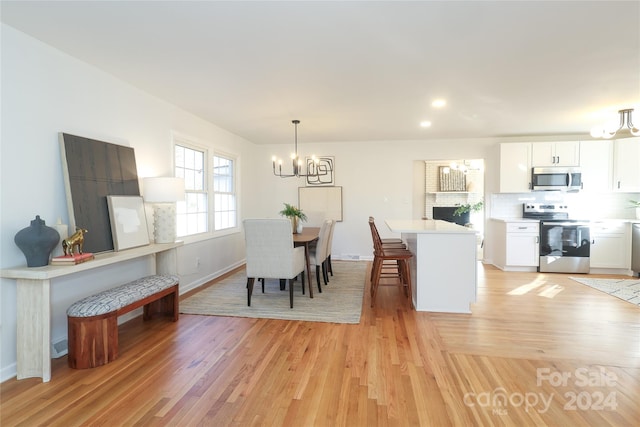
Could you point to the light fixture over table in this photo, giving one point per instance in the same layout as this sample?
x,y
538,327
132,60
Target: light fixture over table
x,y
607,131
312,167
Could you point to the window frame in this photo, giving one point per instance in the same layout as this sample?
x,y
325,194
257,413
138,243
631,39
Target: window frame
x,y
235,191
209,154
188,143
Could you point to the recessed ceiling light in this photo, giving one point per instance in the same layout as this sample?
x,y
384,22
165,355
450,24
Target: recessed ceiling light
x,y
439,103
425,124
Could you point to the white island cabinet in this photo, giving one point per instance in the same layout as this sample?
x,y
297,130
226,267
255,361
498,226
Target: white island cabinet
x,y
444,265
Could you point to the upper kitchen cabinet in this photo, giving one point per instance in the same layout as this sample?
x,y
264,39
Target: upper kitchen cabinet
x,y
515,167
596,163
626,161
565,153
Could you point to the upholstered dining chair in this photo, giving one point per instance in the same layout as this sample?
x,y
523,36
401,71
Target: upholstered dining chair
x,y
329,245
271,254
318,254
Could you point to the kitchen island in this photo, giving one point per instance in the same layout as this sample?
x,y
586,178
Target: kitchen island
x,y
444,265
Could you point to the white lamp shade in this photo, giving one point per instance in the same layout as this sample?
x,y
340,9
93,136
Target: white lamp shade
x,y
163,189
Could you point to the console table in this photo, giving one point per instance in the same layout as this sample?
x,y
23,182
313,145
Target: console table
x,y
34,305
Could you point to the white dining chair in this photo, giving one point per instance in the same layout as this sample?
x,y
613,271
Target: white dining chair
x,y
271,254
318,254
329,245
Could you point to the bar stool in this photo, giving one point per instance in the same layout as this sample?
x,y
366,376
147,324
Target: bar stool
x,y
390,261
390,243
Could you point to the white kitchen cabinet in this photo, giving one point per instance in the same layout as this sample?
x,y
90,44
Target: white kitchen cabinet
x,y
626,163
610,245
566,153
515,167
596,163
517,245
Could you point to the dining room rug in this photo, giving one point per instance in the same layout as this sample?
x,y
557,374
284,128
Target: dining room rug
x,y
339,302
625,289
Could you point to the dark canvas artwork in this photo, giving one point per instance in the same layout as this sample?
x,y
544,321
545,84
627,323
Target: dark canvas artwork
x,y
94,170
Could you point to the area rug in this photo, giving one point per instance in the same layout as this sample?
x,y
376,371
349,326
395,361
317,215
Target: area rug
x,y
625,289
339,302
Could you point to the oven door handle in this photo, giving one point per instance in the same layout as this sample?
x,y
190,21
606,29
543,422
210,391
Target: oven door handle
x,y
568,179
565,224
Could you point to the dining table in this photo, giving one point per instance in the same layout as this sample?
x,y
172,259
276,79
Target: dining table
x,y
304,238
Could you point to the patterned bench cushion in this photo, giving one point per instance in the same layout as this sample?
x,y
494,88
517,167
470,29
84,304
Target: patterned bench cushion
x,y
121,296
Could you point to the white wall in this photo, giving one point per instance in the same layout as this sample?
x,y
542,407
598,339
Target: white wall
x,y
383,179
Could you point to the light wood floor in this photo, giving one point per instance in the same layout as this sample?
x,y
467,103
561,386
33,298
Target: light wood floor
x,y
539,349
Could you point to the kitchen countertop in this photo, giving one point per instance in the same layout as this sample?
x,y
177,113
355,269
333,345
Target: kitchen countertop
x,y
426,226
515,219
570,219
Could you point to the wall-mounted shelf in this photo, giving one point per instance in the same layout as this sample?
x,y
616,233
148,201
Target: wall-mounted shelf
x,y
438,194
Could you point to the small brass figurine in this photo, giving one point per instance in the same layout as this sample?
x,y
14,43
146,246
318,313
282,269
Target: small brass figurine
x,y
75,240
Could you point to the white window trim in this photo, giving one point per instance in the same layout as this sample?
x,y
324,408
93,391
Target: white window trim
x,y
196,144
236,183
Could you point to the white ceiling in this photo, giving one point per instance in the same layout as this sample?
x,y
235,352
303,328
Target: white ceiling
x,y
360,71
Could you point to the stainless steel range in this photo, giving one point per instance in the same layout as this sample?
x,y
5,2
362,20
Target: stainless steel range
x,y
565,244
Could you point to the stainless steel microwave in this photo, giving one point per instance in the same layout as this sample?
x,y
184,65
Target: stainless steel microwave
x,y
556,178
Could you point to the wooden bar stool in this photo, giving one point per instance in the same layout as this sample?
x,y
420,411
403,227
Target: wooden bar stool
x,y
388,242
390,261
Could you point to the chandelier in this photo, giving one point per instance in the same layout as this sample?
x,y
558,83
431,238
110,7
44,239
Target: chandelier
x,y
607,131
313,171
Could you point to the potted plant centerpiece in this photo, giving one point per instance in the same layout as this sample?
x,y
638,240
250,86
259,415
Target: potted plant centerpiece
x,y
469,207
295,215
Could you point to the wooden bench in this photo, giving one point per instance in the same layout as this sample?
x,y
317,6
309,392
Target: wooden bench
x,y
93,321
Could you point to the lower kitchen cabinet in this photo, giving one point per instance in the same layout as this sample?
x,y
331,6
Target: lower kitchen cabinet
x,y
517,245
610,245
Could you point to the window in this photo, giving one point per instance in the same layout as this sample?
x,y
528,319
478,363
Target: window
x,y
224,193
192,214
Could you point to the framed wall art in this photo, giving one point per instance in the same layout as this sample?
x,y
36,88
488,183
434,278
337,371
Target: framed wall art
x,y
320,203
452,180
128,222
92,170
326,169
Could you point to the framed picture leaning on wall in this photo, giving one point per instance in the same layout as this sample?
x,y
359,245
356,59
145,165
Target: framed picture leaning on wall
x,y
128,222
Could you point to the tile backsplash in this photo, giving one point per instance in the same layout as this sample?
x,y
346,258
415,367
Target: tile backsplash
x,y
582,205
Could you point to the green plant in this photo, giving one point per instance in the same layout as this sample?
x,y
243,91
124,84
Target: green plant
x,y
468,208
635,203
291,211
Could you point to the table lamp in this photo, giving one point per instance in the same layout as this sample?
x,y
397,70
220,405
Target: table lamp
x,y
163,193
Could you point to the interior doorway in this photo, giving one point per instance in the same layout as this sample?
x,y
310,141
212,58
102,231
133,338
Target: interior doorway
x,y
454,192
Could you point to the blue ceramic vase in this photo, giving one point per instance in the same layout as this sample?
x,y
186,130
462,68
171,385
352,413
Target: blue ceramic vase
x,y
37,242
